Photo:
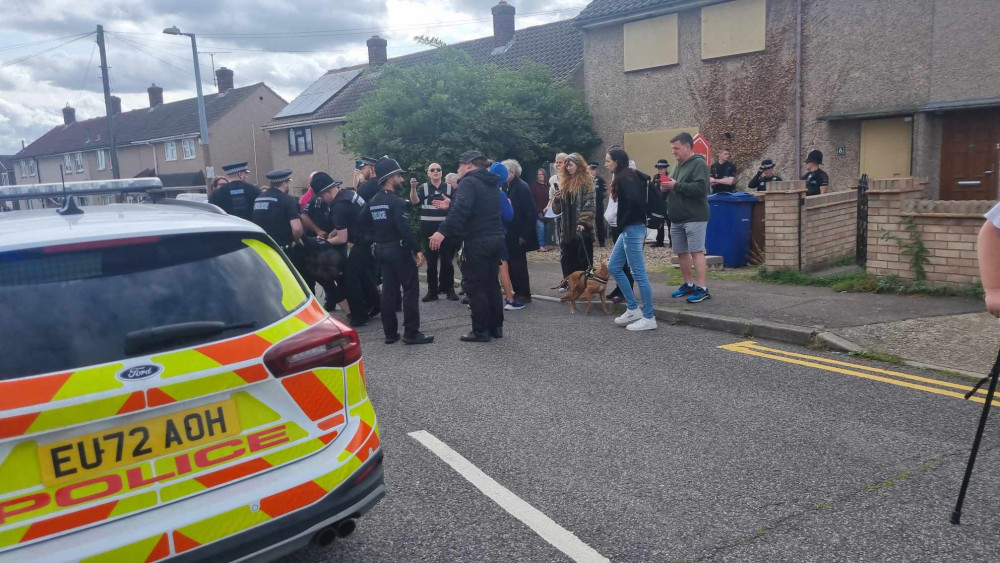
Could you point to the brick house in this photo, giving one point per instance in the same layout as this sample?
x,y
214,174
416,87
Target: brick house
x,y
307,134
892,88
160,140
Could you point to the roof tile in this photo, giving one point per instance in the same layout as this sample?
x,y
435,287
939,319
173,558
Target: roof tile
x,y
166,120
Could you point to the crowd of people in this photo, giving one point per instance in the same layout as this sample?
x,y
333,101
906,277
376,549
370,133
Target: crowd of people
x,y
357,242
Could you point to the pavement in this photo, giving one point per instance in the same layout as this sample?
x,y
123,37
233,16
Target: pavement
x,y
944,332
678,444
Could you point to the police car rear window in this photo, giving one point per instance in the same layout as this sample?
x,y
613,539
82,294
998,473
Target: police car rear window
x,y
73,307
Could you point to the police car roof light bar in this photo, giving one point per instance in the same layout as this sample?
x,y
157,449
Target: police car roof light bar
x,y
93,187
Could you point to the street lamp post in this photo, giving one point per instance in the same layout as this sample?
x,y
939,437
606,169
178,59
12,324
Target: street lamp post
x,y
202,120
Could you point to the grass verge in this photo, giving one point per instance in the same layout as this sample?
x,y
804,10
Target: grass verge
x,y
863,282
879,357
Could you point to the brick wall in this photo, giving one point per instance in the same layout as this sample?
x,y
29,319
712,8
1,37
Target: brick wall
x,y
781,224
947,228
829,228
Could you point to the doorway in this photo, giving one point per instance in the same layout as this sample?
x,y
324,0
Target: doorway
x,y
970,155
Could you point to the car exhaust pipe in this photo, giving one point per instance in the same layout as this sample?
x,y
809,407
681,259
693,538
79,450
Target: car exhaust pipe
x,y
326,536
346,527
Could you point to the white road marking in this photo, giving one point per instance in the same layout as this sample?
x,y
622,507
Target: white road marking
x,y
560,538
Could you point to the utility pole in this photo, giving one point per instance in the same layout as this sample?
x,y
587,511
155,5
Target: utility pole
x,y
115,173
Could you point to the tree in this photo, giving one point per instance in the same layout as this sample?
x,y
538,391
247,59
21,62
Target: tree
x,y
435,111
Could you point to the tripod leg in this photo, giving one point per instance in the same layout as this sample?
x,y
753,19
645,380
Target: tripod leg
x,y
956,514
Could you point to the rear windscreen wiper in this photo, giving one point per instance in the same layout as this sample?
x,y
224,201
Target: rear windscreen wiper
x,y
161,337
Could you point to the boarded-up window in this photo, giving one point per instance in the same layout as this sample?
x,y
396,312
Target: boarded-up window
x,y
732,28
646,147
651,42
886,147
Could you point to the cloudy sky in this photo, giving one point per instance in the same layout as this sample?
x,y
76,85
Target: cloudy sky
x,y
46,62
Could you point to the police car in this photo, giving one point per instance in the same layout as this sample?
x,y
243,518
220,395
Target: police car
x,y
170,389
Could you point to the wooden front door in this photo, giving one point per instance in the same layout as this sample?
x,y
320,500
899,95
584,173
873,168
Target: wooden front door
x,y
970,155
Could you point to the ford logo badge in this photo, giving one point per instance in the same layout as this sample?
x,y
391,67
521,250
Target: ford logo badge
x,y
136,373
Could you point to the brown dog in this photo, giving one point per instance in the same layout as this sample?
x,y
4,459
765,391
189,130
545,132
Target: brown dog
x,y
581,287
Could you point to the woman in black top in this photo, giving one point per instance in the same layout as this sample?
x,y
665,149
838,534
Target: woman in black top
x,y
631,193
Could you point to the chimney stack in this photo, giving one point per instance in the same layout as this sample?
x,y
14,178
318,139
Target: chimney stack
x,y
503,24
69,115
224,77
155,95
377,51
116,105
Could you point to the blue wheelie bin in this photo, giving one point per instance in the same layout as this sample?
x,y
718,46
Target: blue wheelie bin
x,y
729,227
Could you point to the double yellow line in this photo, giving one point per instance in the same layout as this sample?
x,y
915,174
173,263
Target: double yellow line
x,y
876,374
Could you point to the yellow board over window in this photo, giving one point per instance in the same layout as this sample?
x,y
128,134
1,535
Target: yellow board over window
x,y
651,42
733,28
886,147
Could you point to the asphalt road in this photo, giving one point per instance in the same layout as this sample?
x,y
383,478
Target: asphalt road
x,y
661,446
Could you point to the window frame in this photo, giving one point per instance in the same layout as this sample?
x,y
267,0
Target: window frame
x,y
80,163
32,168
300,133
102,162
168,147
67,164
185,144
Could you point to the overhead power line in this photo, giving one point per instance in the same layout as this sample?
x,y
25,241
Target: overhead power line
x,y
358,31
166,62
48,50
86,73
40,42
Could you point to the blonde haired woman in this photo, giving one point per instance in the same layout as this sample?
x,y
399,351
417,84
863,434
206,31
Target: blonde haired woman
x,y
574,202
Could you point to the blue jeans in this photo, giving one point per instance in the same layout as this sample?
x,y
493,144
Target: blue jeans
x,y
541,227
629,248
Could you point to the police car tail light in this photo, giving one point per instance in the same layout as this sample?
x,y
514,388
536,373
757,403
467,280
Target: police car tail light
x,y
328,343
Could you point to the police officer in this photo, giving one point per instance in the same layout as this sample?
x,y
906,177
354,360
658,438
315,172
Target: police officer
x,y
368,184
278,213
475,218
236,197
318,215
384,218
817,182
359,289
765,175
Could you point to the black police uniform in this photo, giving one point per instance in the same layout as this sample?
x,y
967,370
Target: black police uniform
x,y
236,198
760,181
722,170
384,219
430,219
358,284
367,190
475,218
273,211
814,180
321,215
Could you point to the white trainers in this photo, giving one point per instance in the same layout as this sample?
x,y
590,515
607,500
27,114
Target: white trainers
x,y
630,316
642,324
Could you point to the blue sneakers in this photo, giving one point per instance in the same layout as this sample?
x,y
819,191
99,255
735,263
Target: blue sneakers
x,y
684,289
698,295
514,305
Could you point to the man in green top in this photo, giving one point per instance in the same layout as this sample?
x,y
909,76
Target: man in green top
x,y
687,206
